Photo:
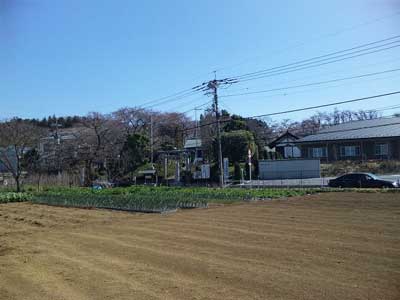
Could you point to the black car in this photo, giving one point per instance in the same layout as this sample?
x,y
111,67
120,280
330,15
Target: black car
x,y
361,180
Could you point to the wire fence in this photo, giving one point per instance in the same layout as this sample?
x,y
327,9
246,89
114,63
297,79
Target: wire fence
x,y
283,183
296,180
282,179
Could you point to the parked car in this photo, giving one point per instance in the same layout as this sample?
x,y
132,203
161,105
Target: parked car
x,y
361,180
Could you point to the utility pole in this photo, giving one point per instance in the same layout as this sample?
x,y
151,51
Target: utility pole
x,y
196,133
249,156
57,149
151,139
166,168
56,135
213,85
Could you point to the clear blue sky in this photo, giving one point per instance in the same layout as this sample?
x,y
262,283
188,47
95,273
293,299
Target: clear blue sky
x,y
69,57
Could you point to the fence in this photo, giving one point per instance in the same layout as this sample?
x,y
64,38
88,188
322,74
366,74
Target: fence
x,y
284,183
284,179
289,169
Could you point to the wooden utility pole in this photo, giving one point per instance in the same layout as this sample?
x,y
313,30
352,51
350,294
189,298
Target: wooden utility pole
x,y
166,168
213,85
57,149
196,134
151,139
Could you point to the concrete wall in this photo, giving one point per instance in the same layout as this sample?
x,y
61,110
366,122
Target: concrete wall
x,y
289,169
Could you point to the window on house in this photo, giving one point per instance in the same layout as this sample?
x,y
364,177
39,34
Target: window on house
x,y
292,152
318,152
381,149
349,151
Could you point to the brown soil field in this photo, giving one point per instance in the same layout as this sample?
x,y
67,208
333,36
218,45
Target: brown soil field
x,y
328,246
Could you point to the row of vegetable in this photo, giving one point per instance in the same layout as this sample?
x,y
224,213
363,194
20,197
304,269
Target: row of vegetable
x,y
140,202
149,199
145,199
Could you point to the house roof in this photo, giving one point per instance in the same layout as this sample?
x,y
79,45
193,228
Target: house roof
x,y
287,135
366,129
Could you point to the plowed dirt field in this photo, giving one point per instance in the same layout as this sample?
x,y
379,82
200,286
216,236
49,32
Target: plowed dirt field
x,y
328,246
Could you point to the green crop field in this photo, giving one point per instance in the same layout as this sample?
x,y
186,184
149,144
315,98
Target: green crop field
x,y
142,201
145,199
153,199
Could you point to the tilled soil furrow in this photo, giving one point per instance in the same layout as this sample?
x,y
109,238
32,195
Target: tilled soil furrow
x,y
329,246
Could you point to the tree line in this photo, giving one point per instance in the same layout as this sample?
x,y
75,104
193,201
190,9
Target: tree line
x,y
113,146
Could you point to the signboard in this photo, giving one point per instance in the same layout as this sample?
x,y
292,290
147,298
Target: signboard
x,y
177,172
250,170
226,168
205,171
249,156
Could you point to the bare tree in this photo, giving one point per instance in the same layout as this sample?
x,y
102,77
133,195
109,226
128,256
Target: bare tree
x,y
102,140
16,137
320,120
132,120
170,130
366,114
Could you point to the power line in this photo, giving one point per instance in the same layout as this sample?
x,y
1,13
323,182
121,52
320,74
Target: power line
x,y
384,108
198,106
303,64
169,100
344,130
292,67
286,94
325,105
321,64
327,55
317,61
318,38
303,109
352,129
273,72
190,104
364,66
186,95
165,97
312,83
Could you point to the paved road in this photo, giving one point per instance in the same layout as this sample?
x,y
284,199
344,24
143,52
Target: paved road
x,y
311,182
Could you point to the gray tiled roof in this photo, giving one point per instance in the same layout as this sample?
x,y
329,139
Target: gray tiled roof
x,y
376,128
